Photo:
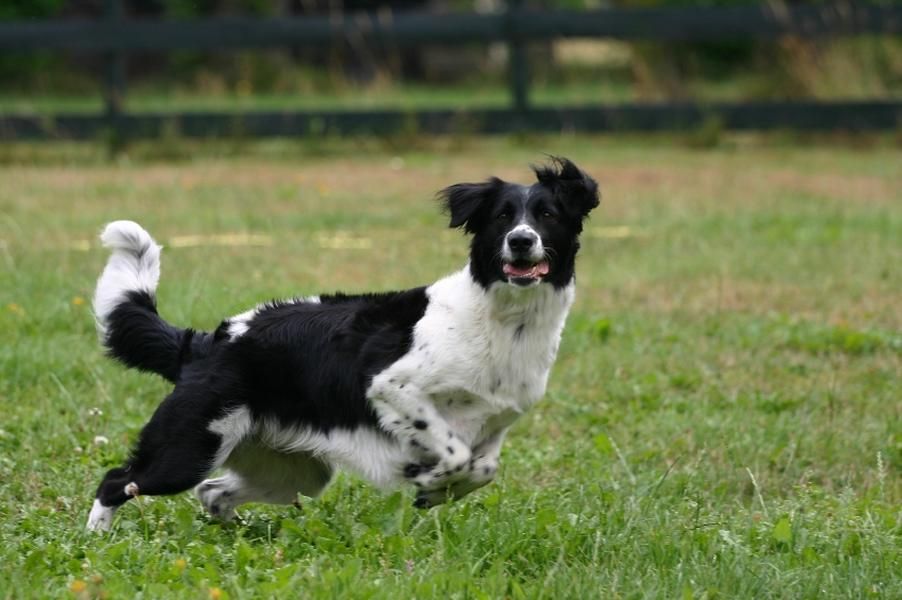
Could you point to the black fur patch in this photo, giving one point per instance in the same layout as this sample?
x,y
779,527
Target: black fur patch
x,y
138,337
311,363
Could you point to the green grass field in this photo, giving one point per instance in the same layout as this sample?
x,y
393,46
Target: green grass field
x,y
492,94
723,420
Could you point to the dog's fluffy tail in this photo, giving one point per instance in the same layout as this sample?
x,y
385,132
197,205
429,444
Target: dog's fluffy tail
x,y
125,307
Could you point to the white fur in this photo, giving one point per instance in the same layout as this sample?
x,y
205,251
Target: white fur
x,y
537,253
233,428
494,346
363,451
239,324
101,517
369,454
133,265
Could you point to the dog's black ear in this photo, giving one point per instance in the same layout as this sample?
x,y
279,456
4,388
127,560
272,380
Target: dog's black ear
x,y
466,201
576,191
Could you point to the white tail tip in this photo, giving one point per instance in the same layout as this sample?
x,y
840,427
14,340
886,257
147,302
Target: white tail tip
x,y
134,265
127,235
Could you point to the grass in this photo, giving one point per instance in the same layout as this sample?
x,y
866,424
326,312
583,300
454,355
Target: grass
x,y
389,96
723,419
572,88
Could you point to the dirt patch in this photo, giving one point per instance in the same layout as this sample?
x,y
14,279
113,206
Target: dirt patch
x,y
684,183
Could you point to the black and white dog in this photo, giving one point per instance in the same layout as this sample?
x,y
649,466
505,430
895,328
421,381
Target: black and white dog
x,y
417,386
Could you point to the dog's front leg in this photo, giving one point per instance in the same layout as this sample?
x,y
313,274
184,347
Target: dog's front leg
x,y
479,471
406,412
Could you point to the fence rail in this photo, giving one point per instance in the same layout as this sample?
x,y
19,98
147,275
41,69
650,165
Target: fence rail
x,y
116,36
713,23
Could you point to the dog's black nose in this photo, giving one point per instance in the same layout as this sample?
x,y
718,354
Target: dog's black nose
x,y
521,241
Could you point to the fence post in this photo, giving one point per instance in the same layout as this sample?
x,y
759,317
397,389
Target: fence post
x,y
114,82
518,62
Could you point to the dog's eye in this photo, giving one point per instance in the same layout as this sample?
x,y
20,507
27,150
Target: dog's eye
x,y
547,215
503,216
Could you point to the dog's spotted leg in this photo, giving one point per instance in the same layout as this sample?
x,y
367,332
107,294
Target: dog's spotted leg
x,y
406,412
479,471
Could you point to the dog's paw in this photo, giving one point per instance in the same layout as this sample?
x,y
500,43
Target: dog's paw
x,y
430,498
482,469
412,470
217,498
479,471
450,467
101,517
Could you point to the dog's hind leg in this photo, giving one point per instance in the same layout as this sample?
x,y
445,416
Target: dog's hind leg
x,y
177,448
259,474
221,495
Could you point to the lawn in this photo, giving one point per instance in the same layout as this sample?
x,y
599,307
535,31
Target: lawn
x,y
492,94
723,419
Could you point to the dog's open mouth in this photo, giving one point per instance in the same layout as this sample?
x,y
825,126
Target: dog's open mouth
x,y
523,272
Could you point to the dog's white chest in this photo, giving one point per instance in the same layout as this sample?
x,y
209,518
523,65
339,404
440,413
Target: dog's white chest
x,y
483,352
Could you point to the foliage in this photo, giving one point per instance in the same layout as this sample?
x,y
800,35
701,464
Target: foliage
x,y
15,67
861,66
722,421
200,8
29,9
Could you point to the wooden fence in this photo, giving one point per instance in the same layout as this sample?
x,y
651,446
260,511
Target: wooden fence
x,y
115,36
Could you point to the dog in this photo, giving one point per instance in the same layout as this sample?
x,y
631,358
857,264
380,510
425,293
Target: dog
x,y
418,386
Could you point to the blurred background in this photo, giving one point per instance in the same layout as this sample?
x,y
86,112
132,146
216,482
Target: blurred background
x,y
496,54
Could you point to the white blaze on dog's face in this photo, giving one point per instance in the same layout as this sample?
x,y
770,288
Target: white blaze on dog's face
x,y
523,255
524,235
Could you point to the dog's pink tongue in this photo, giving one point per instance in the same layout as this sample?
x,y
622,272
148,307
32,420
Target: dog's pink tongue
x,y
513,271
537,270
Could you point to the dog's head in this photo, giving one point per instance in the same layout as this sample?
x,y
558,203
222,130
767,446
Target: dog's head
x,y
524,235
